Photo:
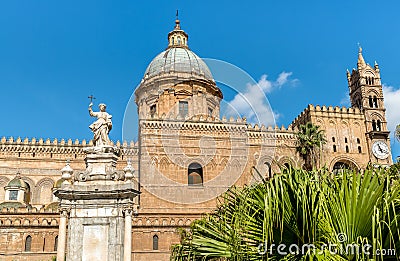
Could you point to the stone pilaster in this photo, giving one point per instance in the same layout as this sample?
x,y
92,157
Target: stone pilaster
x,y
128,235
62,234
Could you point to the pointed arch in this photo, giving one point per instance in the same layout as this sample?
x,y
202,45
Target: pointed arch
x,y
43,193
155,242
28,243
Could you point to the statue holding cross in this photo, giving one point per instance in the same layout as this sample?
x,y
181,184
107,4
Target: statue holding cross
x,y
102,126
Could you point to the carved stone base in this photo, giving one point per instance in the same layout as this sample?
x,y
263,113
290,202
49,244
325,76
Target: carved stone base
x,y
101,164
97,216
99,202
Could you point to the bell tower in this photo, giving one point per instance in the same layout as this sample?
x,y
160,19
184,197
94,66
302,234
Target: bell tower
x,y
366,94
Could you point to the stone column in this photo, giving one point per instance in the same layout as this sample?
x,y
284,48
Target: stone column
x,y
62,235
128,235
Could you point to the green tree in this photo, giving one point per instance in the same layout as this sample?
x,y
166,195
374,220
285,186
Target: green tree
x,y
304,208
310,139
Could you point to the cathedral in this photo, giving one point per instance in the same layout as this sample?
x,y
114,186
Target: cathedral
x,y
187,154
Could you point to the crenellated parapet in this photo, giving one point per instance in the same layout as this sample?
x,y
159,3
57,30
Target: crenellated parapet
x,y
56,148
256,134
327,112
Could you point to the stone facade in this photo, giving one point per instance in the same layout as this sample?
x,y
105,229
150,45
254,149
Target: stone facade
x,y
185,157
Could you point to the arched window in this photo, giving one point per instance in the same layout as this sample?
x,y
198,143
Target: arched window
x,y
55,243
359,149
195,174
179,40
333,139
28,243
375,102
268,172
153,109
347,149
339,167
155,242
378,125
358,141
371,104
373,125
173,40
345,140
334,148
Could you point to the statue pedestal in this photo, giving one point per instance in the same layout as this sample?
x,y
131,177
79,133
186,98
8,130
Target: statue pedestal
x,y
98,205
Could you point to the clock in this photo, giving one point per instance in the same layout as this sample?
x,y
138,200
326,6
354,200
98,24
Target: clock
x,y
380,149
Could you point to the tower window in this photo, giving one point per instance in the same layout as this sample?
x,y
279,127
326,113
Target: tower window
x,y
183,108
179,40
345,140
153,109
375,102
358,141
378,125
155,242
210,111
13,195
371,104
333,139
28,243
334,148
195,174
373,125
359,149
347,149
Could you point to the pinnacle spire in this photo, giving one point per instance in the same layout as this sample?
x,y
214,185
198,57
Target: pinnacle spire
x,y
361,62
177,22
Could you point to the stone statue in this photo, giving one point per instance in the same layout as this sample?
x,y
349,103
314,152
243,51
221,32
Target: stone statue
x,y
101,127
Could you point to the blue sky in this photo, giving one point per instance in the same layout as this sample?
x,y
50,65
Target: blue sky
x,y
54,54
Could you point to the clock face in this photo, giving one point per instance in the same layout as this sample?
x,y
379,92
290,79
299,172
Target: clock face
x,y
380,149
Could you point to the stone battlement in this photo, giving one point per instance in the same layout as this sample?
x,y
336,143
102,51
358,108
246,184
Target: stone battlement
x,y
327,111
46,148
213,123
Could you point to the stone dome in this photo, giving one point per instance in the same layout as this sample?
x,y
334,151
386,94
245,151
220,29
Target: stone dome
x,y
178,59
177,83
17,182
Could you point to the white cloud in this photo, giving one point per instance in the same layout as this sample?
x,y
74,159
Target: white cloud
x,y
392,104
253,103
283,78
345,101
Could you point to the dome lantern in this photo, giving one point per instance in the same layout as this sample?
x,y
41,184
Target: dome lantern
x,y
177,37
